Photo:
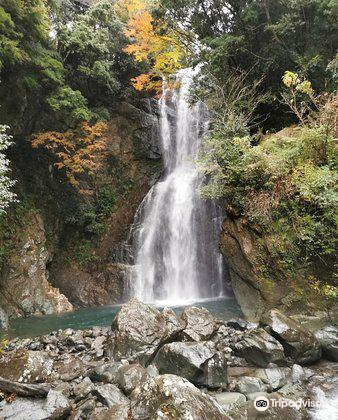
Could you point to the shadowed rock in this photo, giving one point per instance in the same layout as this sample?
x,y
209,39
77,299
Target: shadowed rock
x,y
260,348
328,340
299,343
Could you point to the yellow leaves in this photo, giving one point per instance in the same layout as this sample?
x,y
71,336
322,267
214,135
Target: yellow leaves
x,y
292,80
78,151
153,41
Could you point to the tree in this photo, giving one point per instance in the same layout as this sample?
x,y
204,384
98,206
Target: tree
x,y
154,42
91,49
264,38
78,152
6,195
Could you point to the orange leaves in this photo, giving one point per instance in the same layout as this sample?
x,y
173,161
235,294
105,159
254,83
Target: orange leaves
x,y
141,81
154,42
79,152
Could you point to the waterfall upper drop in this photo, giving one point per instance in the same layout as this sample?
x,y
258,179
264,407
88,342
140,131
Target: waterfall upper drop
x,y
176,231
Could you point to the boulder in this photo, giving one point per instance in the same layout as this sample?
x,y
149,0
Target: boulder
x,y
260,348
26,366
174,324
215,371
70,368
82,389
169,396
239,324
105,372
199,362
137,332
299,344
109,395
200,324
131,376
328,340
55,407
248,384
274,378
228,400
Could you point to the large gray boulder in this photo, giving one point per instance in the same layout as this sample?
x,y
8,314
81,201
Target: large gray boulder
x,y
328,340
137,331
55,407
260,348
299,344
200,324
199,362
169,396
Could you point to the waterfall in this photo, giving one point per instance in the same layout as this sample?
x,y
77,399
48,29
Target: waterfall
x,y
176,235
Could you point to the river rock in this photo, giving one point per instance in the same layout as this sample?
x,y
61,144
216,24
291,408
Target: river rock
x,y
200,324
169,396
199,362
26,366
131,376
109,395
55,407
239,324
260,348
248,384
70,368
137,332
117,412
299,343
274,378
229,400
82,389
105,372
174,324
328,340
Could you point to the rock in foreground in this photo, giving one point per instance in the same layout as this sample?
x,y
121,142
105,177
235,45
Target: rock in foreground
x,y
299,344
172,397
137,331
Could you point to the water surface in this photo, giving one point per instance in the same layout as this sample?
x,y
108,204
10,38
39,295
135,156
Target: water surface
x,y
223,308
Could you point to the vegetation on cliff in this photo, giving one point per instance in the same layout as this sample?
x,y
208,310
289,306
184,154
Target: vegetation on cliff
x,y
67,66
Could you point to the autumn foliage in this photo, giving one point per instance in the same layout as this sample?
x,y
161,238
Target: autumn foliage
x,y
154,42
79,152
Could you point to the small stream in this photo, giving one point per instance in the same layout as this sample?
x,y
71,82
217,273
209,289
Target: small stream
x,y
224,308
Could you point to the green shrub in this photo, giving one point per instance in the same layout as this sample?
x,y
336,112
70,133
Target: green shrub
x,y
285,186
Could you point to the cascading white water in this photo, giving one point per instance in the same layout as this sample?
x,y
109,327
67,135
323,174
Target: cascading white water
x,y
177,257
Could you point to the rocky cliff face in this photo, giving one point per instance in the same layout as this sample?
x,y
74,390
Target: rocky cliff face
x,y
80,268
25,289
259,280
